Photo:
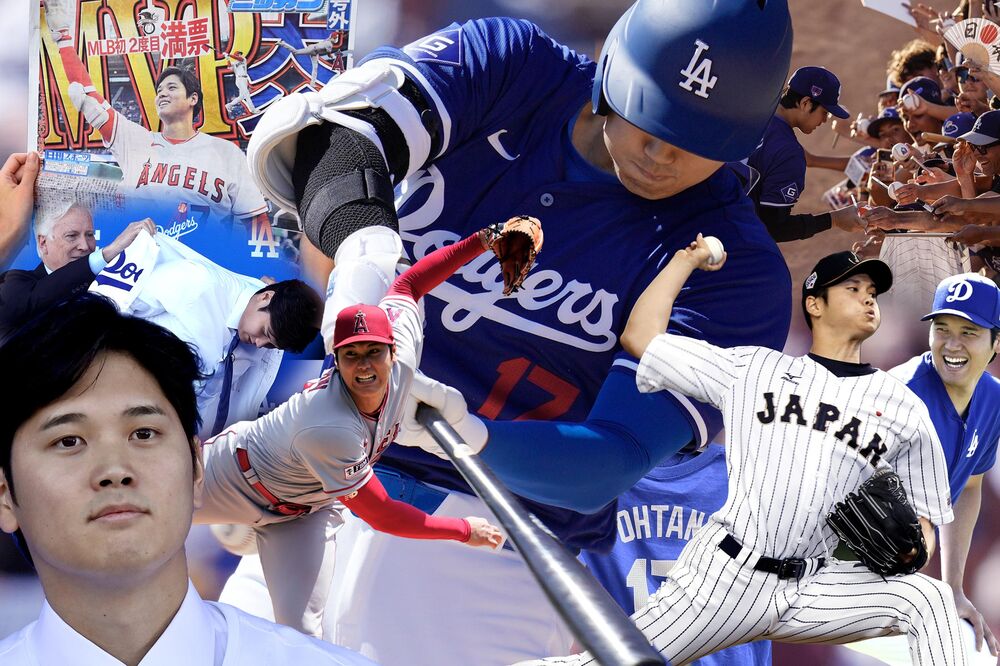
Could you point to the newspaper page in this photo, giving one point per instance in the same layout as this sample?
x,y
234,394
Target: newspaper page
x,y
145,108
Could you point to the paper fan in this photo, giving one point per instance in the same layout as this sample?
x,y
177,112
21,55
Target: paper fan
x,y
979,41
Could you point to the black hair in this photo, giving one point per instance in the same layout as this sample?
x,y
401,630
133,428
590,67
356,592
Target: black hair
x,y
296,310
790,99
819,293
50,354
189,81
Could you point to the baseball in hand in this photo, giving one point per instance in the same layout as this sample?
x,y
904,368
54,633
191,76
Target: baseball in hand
x,y
893,189
901,152
716,249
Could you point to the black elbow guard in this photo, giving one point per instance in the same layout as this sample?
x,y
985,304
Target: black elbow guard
x,y
342,184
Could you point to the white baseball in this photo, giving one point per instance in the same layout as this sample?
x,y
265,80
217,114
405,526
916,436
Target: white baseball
x,y
901,151
715,248
893,188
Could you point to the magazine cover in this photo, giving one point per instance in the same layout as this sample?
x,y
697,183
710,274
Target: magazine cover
x,y
145,107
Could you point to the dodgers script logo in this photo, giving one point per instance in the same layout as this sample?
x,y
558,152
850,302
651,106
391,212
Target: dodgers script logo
x,y
699,72
127,271
587,315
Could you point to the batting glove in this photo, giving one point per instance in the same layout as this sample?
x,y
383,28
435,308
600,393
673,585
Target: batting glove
x,y
451,404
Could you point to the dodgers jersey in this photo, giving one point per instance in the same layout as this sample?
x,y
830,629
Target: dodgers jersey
x,y
202,171
317,446
800,438
507,96
655,520
781,163
969,443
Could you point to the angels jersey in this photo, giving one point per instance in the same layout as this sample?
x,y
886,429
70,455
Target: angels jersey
x,y
203,171
800,438
317,446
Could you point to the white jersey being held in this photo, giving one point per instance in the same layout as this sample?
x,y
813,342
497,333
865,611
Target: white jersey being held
x,y
800,438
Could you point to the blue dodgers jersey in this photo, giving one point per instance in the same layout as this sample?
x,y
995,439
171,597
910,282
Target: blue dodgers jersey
x,y
970,444
781,163
507,96
655,520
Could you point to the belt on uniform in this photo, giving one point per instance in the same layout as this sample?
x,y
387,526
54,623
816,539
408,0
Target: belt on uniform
x,y
405,488
274,504
790,567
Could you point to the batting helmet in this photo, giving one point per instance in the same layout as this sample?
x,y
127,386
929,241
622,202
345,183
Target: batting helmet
x,y
702,76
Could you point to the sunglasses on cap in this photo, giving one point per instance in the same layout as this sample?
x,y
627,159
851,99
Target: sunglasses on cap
x,y
962,75
981,150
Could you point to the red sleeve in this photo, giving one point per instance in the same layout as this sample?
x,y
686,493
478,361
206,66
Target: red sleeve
x,y
77,73
436,267
374,506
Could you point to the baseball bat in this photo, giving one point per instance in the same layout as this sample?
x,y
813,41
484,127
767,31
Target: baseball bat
x,y
592,615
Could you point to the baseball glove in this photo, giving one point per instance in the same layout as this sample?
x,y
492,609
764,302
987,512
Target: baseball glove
x,y
881,527
515,244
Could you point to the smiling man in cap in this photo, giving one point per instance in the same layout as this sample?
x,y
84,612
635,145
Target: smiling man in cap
x,y
964,403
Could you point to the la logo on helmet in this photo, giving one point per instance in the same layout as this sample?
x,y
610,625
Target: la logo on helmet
x,y
699,71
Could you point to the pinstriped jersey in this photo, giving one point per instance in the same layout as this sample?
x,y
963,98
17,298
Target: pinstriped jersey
x,y
800,438
318,446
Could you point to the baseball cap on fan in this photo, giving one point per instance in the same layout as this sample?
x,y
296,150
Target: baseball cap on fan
x,y
362,323
835,268
924,87
985,131
889,115
821,85
969,296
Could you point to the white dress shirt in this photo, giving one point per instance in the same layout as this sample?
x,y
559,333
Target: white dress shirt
x,y
201,303
202,633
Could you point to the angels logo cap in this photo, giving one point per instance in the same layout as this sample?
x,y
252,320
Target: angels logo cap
x,y
362,323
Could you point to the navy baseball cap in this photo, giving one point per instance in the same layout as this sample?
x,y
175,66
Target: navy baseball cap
x,y
924,87
958,124
969,296
837,267
890,86
985,131
889,114
821,85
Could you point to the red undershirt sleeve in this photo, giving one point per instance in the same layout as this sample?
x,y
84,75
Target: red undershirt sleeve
x,y
374,506
436,267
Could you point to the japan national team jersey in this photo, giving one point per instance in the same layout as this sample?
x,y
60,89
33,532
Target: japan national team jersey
x,y
800,438
781,163
507,97
656,518
317,446
970,443
203,171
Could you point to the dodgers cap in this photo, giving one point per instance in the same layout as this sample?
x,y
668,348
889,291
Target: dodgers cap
x,y
969,296
821,85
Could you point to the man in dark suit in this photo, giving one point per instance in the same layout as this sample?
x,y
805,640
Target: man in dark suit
x,y
70,260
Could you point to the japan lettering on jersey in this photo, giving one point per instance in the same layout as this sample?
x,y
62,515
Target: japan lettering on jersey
x,y
795,426
544,352
655,520
203,170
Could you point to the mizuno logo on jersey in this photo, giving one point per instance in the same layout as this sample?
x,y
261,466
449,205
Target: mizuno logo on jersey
x,y
826,414
699,71
789,377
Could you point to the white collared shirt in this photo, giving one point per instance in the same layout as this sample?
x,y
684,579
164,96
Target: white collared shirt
x,y
202,303
201,634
